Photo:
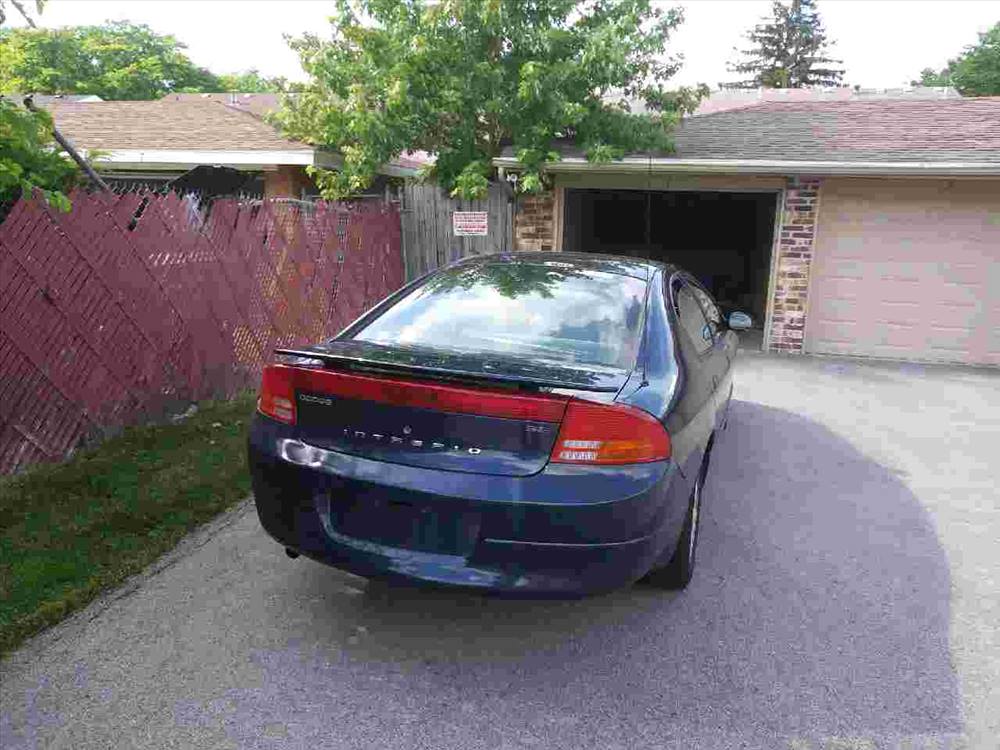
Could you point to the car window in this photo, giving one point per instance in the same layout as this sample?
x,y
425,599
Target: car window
x,y
545,311
691,317
709,307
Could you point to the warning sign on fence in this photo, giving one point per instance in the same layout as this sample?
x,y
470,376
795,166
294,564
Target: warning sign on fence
x,y
470,223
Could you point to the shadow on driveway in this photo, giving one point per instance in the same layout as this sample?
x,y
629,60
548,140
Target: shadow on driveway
x,y
819,609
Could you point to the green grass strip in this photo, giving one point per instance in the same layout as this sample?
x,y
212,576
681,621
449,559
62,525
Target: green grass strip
x,y
73,530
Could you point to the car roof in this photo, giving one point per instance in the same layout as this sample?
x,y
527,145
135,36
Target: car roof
x,y
639,268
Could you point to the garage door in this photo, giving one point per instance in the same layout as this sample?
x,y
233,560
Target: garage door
x,y
907,271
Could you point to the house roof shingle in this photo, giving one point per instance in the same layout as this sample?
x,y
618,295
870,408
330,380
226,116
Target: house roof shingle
x,y
258,103
946,130
189,125
943,131
728,99
187,122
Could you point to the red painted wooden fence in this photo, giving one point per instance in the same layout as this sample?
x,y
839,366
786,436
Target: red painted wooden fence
x,y
132,305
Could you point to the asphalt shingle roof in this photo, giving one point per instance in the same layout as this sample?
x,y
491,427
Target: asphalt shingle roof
x,y
190,125
724,100
258,104
943,130
878,130
261,104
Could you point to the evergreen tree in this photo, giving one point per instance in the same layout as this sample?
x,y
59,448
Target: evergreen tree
x,y
789,50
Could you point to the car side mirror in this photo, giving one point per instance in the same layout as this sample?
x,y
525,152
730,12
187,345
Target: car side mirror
x,y
740,321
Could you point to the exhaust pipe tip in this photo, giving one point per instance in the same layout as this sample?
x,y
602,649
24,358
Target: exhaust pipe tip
x,y
291,553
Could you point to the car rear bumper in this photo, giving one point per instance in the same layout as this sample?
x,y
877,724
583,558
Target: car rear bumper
x,y
566,530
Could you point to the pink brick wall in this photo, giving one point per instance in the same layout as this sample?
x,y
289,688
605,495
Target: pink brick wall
x,y
795,255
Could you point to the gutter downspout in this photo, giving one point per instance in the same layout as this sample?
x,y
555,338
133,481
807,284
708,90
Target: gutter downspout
x,y
68,147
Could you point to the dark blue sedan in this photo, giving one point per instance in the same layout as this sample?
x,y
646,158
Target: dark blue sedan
x,y
530,423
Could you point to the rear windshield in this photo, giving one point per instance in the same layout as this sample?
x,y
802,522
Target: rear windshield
x,y
545,312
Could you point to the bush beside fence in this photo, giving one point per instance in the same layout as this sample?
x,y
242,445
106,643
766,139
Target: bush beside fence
x,y
135,304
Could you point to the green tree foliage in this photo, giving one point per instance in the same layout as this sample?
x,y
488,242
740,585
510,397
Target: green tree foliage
x,y
464,78
788,50
251,82
511,280
118,60
976,72
931,77
29,158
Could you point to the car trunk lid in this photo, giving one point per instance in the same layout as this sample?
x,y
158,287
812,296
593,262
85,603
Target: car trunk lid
x,y
451,415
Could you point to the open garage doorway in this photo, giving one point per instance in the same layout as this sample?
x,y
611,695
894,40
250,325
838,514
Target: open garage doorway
x,y
723,238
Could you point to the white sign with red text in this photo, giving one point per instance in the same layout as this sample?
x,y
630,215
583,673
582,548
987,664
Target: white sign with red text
x,y
470,223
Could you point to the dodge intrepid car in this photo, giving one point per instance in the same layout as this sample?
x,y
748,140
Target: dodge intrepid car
x,y
527,423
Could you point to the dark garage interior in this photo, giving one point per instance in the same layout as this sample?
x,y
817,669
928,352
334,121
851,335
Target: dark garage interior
x,y
723,238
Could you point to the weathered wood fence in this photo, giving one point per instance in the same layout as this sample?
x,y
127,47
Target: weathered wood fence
x,y
428,238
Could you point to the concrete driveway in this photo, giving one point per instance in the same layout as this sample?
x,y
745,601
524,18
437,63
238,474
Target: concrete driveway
x,y
846,597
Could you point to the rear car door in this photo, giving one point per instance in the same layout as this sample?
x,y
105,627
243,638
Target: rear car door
x,y
704,333
692,419
724,345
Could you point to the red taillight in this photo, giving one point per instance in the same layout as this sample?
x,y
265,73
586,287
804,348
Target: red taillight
x,y
277,394
609,434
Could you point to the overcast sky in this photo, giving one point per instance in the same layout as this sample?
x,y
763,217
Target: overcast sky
x,y
883,43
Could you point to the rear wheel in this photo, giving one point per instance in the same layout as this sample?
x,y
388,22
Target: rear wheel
x,y
677,573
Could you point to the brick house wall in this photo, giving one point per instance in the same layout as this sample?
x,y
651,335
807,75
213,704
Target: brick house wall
x,y
534,222
287,181
794,251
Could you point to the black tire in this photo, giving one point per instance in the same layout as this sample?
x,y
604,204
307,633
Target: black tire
x,y
677,573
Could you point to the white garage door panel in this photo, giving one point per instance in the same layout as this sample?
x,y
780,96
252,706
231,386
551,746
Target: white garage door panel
x,y
907,271
951,316
844,267
960,273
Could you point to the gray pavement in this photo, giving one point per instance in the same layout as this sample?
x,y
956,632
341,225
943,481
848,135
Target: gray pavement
x,y
846,596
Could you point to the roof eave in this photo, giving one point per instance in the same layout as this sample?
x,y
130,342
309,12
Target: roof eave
x,y
241,159
331,160
765,167
238,159
398,170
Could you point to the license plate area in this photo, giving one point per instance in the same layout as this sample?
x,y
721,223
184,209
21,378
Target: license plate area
x,y
420,527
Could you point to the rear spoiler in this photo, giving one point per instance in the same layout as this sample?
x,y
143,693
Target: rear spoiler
x,y
444,372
